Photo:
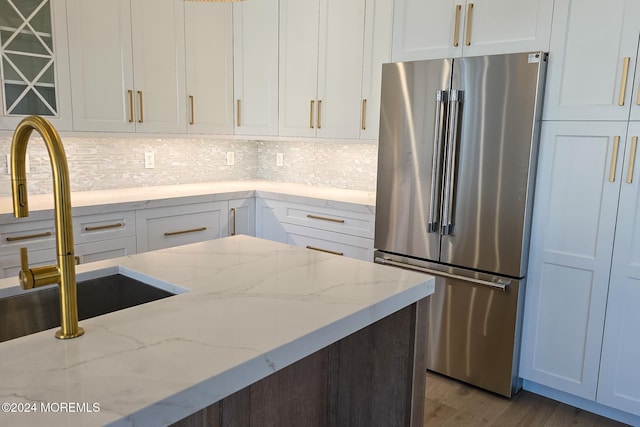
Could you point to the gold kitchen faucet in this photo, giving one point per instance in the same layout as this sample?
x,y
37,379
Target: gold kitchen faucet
x,y
64,273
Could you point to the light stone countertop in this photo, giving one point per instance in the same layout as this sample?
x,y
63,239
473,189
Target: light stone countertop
x,y
253,306
104,201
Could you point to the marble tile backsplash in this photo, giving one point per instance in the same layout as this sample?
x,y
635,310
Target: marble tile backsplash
x,y
108,163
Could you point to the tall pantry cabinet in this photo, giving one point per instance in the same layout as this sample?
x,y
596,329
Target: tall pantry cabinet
x,y
580,331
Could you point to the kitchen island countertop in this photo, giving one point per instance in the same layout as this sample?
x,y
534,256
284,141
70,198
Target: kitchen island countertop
x,y
252,308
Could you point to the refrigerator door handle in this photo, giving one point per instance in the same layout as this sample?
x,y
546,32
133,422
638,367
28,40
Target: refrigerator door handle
x,y
455,97
436,167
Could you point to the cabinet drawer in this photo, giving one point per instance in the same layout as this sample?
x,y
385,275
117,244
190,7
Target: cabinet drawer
x,y
326,241
160,228
31,234
329,219
92,228
106,249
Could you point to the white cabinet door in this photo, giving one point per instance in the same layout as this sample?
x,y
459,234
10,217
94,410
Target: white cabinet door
x,y
573,227
427,29
506,26
340,68
209,64
255,67
619,381
377,50
321,47
298,67
242,217
587,78
34,63
453,28
268,224
101,64
158,66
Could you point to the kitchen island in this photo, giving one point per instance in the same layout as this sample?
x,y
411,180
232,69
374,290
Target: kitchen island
x,y
258,331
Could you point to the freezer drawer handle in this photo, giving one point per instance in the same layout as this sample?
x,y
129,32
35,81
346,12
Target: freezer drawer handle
x,y
500,284
436,164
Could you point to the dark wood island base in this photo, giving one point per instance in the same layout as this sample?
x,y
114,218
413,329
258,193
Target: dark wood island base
x,y
373,377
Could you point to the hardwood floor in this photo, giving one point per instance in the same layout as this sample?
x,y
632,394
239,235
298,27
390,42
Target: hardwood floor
x,y
452,403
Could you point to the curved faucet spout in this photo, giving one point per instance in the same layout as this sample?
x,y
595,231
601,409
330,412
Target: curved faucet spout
x,y
64,272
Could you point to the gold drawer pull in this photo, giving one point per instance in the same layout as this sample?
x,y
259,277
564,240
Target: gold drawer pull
x,y
313,248
614,159
632,159
623,81
311,113
141,118
363,120
104,227
193,230
456,25
192,120
27,237
468,37
233,221
130,106
238,113
341,221
319,122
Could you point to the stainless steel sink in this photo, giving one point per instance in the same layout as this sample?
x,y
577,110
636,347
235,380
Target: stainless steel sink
x,y
36,311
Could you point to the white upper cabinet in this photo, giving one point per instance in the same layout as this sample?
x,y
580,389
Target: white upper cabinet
x,y
34,63
427,29
377,50
321,51
255,67
127,65
209,65
592,60
619,374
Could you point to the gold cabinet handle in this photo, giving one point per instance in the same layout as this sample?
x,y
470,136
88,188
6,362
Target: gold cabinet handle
x,y
29,236
104,227
77,259
363,120
233,221
313,248
324,218
193,230
456,25
632,159
311,114
130,106
623,82
238,113
141,119
319,114
638,101
614,159
192,106
468,32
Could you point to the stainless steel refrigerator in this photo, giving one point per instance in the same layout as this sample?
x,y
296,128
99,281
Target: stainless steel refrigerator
x,y
456,165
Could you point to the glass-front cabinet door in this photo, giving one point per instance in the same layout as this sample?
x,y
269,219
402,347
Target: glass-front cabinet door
x,y
33,66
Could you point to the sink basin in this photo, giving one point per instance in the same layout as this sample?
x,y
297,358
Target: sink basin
x,y
35,311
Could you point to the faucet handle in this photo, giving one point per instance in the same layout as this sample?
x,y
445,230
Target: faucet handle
x,y
26,276
37,276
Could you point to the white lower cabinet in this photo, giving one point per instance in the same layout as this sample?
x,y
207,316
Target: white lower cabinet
x,y
242,216
580,332
159,228
105,249
330,230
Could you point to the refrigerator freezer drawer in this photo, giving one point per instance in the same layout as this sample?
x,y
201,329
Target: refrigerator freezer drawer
x,y
474,334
